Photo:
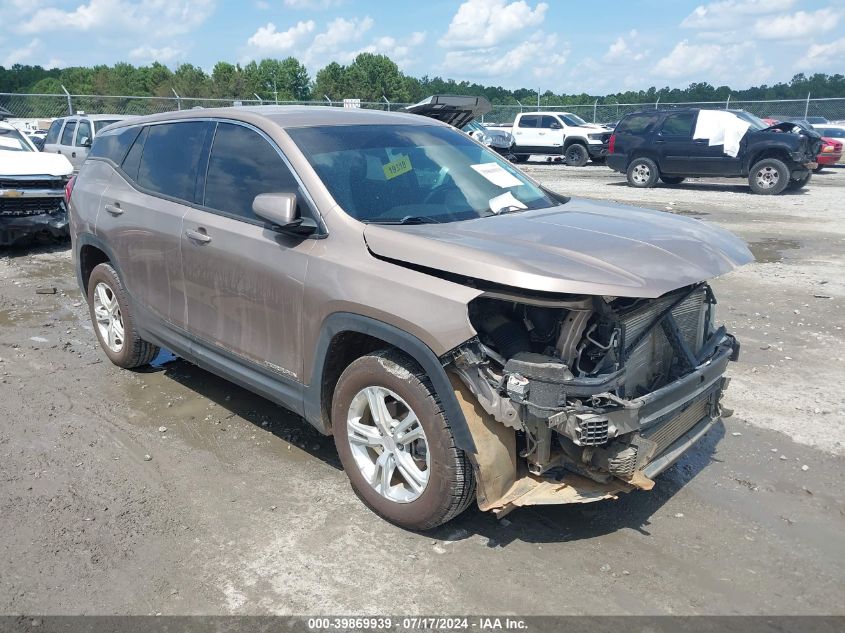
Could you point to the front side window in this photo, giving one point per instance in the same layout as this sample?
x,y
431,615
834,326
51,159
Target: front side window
x,y
414,174
243,165
550,123
83,131
53,132
678,124
67,133
170,158
13,141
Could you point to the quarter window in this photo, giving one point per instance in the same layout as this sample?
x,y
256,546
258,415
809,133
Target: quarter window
x,y
67,133
241,166
113,145
170,159
635,124
53,132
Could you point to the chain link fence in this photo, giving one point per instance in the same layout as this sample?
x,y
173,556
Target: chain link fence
x,y
48,106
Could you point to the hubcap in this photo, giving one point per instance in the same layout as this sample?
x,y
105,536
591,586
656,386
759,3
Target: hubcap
x,y
388,444
109,319
641,173
767,177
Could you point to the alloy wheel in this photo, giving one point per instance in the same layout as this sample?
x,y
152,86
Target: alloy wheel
x,y
767,177
388,444
641,174
108,316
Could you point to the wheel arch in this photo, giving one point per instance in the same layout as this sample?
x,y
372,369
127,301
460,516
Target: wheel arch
x,y
90,252
343,338
573,140
779,152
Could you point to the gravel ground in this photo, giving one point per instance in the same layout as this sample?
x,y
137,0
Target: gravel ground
x,y
172,491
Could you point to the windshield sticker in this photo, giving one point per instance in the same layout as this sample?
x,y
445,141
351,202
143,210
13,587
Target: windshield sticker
x,y
401,165
505,202
498,175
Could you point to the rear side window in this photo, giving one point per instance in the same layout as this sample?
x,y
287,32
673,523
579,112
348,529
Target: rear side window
x,y
636,124
678,124
170,159
53,133
114,145
99,125
67,134
83,131
530,120
242,165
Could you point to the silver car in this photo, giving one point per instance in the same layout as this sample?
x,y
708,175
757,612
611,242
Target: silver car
x,y
72,136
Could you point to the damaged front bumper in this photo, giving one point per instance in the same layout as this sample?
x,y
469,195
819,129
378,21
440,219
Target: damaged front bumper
x,y
581,453
17,228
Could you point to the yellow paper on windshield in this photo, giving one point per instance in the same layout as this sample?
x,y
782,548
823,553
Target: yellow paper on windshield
x,y
401,165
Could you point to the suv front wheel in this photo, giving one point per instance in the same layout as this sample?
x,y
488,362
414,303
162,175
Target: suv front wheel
x,y
769,177
396,445
642,173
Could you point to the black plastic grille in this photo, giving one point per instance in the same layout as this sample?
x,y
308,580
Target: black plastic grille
x,y
30,206
593,431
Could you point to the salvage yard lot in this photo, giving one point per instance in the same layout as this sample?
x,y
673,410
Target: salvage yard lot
x,y
172,491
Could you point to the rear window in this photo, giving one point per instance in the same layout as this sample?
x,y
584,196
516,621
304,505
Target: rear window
x,y
171,156
113,145
678,124
53,132
636,124
67,134
831,132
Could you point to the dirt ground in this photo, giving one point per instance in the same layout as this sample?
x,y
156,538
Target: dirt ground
x,y
172,491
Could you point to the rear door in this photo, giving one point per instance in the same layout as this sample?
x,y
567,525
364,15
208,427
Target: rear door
x,y
142,210
52,139
66,138
244,280
676,150
527,131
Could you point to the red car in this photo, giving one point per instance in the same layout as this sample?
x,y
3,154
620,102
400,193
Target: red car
x,y
831,153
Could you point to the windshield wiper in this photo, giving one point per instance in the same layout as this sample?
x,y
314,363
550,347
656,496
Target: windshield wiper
x,y
408,219
511,208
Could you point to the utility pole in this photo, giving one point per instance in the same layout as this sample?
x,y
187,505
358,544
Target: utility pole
x,y
538,99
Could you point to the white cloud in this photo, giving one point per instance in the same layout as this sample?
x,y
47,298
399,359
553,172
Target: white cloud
x,y
399,50
487,23
823,55
22,54
728,14
268,40
147,54
706,62
797,25
339,42
312,4
159,18
543,52
625,49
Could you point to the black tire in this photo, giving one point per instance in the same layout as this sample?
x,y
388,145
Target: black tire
x,y
520,158
599,160
134,351
800,183
672,180
642,173
818,168
768,177
451,481
576,155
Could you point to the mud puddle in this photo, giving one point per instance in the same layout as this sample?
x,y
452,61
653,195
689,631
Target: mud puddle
x,y
771,250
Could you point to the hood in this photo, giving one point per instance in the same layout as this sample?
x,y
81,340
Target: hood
x,y
33,164
581,247
455,110
788,126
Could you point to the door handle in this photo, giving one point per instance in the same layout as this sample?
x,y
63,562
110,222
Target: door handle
x,y
114,209
701,141
659,141
198,236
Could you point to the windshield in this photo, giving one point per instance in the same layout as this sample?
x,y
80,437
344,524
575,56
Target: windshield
x,y
414,174
757,123
99,125
573,120
12,140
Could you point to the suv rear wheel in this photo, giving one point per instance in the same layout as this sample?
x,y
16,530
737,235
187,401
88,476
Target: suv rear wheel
x,y
642,172
113,322
396,445
768,177
577,155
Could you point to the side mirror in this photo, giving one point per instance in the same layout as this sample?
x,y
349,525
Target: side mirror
x,y
85,142
556,126
280,209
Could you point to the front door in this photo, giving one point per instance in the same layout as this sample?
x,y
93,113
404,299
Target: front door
x,y
244,281
81,142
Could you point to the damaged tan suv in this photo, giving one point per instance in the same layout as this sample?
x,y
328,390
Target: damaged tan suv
x,y
462,332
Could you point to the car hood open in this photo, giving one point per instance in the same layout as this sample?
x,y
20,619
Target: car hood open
x,y
580,247
33,164
456,110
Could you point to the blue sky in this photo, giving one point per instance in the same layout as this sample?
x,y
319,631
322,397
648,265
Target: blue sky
x,y
561,45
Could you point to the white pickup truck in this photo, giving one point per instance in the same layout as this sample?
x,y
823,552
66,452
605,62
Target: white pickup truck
x,y
557,134
32,189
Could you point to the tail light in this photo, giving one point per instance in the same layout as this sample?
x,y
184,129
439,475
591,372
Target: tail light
x,y
69,189
611,144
